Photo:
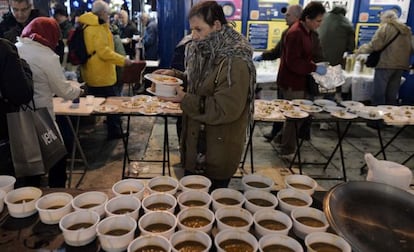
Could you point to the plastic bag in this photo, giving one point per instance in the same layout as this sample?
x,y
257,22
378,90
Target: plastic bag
x,y
388,172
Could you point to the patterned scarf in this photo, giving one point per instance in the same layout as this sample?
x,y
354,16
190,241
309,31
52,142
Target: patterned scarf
x,y
226,44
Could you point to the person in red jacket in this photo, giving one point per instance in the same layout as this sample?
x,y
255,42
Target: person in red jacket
x,y
295,64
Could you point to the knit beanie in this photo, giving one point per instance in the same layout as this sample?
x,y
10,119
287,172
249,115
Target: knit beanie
x,y
43,30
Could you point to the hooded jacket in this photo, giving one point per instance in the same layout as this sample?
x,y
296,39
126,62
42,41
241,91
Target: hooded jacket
x,y
337,36
99,70
397,54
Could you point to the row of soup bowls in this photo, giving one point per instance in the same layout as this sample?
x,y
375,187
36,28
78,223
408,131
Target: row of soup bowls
x,y
115,233
24,202
235,240
194,182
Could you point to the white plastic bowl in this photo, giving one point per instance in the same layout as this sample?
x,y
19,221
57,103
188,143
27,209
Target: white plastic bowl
x,y
290,193
226,193
193,196
2,196
234,234
190,235
112,242
150,240
122,203
224,212
301,183
256,181
198,212
52,207
279,239
300,229
274,215
259,195
159,198
160,181
82,236
133,187
95,199
158,217
27,208
7,183
195,182
329,238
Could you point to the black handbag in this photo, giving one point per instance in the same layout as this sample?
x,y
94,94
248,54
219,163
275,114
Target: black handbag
x,y
374,57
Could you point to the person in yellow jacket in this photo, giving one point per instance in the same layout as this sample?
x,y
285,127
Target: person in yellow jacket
x,y
99,71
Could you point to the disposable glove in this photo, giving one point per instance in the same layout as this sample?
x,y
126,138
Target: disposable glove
x,y
258,58
321,70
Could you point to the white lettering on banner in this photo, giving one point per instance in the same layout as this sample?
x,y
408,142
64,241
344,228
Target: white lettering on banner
x,y
49,137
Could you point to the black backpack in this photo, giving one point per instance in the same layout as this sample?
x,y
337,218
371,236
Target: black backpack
x,y
78,54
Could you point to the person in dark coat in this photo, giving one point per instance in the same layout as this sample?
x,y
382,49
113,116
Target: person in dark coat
x,y
16,88
292,15
61,16
150,39
127,29
20,14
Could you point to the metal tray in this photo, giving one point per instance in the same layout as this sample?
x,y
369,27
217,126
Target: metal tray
x,y
371,216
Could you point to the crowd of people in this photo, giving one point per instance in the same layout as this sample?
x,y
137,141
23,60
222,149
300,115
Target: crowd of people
x,y
215,62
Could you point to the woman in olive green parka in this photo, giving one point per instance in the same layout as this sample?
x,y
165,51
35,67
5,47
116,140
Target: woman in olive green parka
x,y
219,97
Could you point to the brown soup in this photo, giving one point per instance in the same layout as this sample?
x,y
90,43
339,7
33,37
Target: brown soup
x,y
301,186
277,248
150,248
123,211
294,201
236,245
190,246
234,221
162,188
89,205
195,221
257,184
261,202
324,247
272,224
80,226
309,221
117,232
22,200
55,207
227,201
195,186
159,207
193,203
158,227
129,192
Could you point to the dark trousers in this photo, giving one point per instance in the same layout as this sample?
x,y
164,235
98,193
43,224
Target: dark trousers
x,y
113,122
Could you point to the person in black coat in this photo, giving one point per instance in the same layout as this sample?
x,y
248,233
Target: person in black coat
x,y
20,14
127,30
16,88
